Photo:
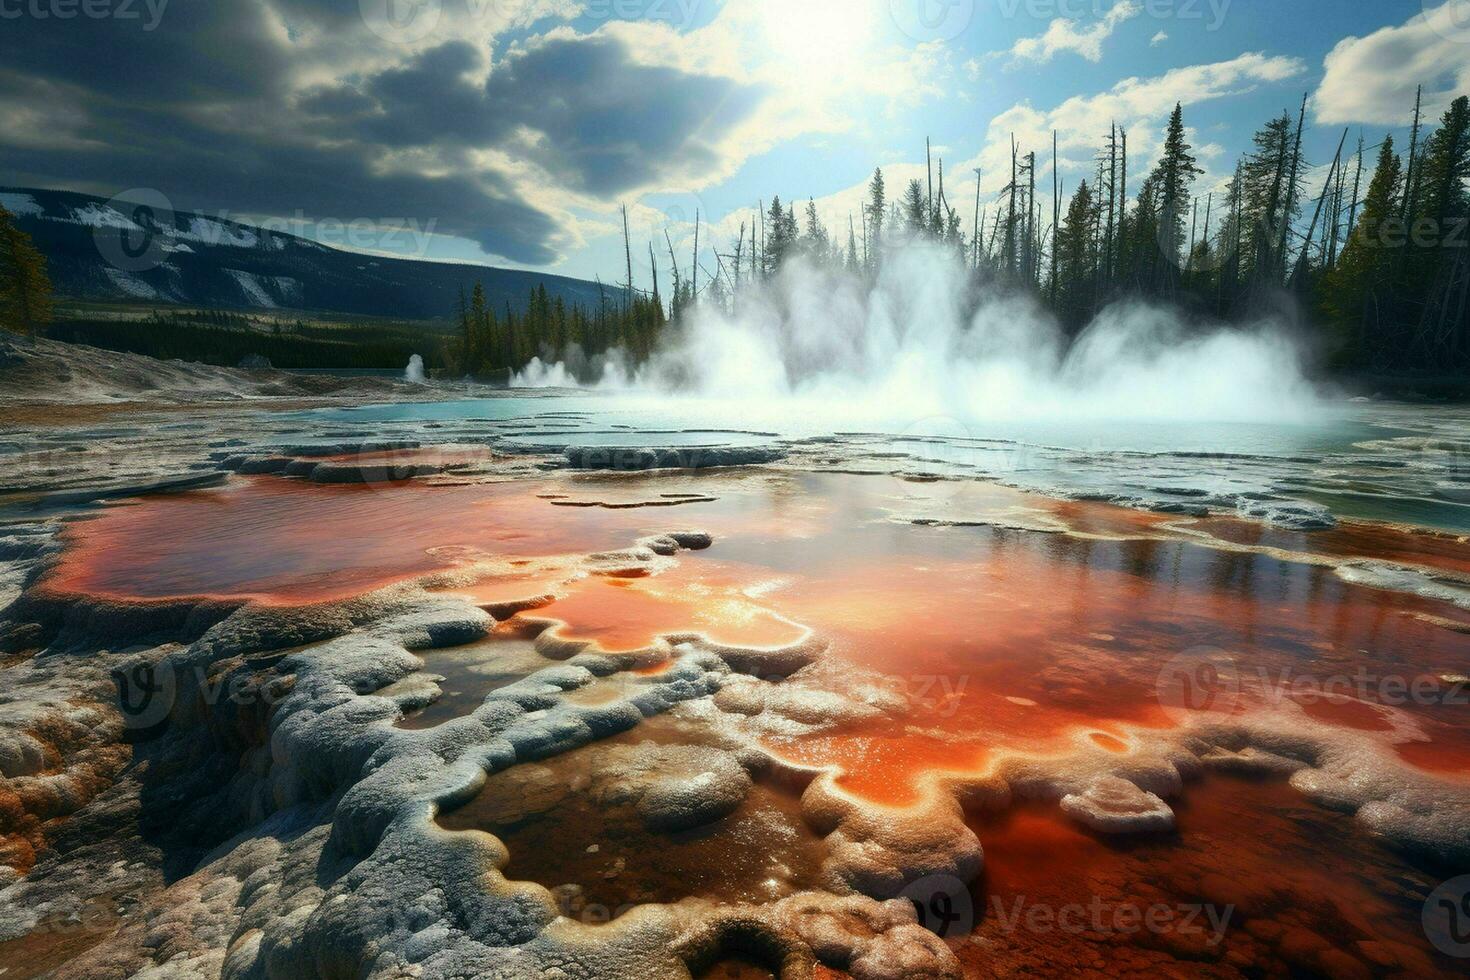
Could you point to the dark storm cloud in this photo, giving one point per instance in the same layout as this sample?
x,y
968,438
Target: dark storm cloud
x,y
603,123
213,109
606,120
198,49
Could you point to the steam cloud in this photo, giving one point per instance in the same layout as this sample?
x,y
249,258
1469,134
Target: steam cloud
x,y
415,370
922,342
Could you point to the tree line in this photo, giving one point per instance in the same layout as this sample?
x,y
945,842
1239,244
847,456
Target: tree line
x,y
1377,257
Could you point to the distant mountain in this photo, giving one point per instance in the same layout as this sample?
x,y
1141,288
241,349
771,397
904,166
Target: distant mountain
x,y
106,251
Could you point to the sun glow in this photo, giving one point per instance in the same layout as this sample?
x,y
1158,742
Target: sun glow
x,y
818,39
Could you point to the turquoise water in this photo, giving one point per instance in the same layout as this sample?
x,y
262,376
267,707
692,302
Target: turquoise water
x,y
1336,432
1404,463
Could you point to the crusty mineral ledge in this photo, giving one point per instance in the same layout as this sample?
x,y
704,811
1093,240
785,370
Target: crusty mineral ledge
x,y
305,818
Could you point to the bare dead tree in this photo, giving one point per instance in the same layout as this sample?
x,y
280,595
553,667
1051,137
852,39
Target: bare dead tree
x,y
1301,261
628,252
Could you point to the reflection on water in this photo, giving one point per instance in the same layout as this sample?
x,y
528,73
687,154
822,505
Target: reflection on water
x,y
1254,882
1370,461
1007,636
1006,623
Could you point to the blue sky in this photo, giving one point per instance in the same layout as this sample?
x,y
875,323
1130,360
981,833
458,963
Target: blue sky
x,y
516,129
977,77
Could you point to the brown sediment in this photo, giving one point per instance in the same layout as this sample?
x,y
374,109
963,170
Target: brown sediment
x,y
1347,712
569,825
740,970
53,943
1300,893
1446,755
1349,539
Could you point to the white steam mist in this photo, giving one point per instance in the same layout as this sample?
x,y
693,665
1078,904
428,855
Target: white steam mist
x,y
415,371
920,343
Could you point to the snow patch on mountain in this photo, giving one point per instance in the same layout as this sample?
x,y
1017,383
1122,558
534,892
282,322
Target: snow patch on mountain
x,y
207,231
266,291
130,284
20,204
100,216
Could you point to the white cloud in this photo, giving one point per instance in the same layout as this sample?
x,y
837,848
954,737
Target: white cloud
x,y
1141,106
1158,39
1064,35
1372,79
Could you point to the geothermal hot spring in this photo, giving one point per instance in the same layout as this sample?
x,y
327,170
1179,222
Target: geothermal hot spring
x,y
1157,666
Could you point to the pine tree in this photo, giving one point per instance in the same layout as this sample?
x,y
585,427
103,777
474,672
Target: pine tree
x,y
1264,177
1074,247
466,333
1355,289
877,209
1445,169
915,209
780,235
1439,272
815,241
25,289
479,349
1172,178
